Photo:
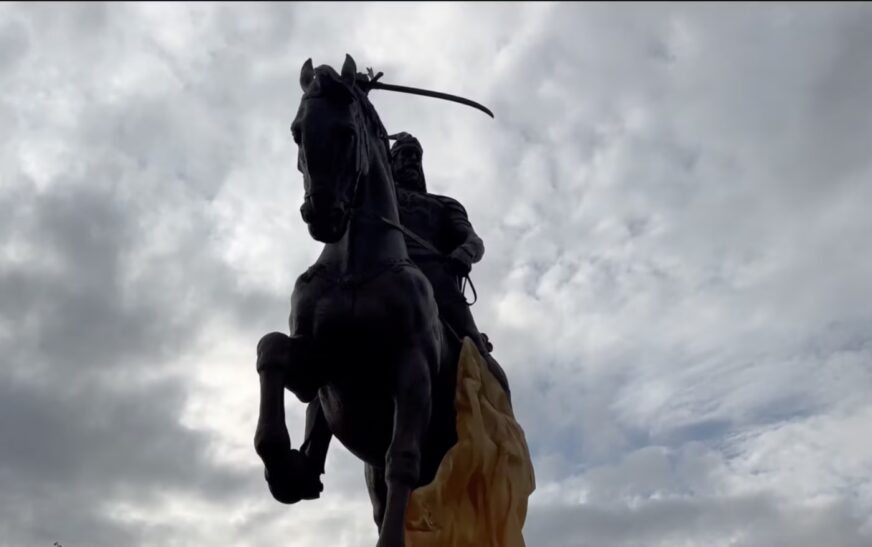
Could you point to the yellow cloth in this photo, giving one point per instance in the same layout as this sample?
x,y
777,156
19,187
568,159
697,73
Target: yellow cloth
x,y
479,495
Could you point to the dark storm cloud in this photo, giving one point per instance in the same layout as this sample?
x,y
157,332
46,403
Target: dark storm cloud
x,y
84,420
67,454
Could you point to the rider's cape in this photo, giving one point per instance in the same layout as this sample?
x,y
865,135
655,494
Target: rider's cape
x,y
479,495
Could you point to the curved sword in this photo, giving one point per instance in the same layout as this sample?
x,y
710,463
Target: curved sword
x,y
427,93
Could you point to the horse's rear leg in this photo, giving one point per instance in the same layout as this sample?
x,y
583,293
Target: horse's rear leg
x,y
317,436
412,400
378,493
288,473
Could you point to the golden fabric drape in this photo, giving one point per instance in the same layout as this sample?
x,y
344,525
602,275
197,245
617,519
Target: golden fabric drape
x,y
479,495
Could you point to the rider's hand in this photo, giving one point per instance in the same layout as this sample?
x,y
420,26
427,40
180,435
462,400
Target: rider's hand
x,y
458,263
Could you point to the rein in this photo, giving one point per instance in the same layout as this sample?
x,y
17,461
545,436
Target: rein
x,y
462,281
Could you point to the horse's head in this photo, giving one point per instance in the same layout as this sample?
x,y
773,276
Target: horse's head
x,y
331,132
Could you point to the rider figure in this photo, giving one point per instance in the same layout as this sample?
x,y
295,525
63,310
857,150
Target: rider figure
x,y
443,225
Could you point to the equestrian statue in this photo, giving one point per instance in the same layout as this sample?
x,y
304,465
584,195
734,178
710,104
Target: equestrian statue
x,y
382,347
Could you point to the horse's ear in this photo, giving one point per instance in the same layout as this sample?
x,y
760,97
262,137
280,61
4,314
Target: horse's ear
x,y
307,74
349,70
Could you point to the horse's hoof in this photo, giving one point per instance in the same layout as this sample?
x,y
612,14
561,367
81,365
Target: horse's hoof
x,y
290,477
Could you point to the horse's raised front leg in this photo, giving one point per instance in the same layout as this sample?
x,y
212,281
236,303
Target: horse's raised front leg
x,y
412,404
283,362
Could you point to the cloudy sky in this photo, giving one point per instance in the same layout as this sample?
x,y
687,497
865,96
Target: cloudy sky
x,y
675,205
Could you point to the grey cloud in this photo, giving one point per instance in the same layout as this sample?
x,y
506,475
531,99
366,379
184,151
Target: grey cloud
x,y
664,496
69,453
109,275
707,225
14,43
749,521
81,423
673,205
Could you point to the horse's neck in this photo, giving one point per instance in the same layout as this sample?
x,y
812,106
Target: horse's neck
x,y
369,243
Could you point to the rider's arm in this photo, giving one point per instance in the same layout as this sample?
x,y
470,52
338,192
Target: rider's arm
x,y
467,246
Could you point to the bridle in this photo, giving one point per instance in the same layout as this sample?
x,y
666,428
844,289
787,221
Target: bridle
x,y
361,163
462,281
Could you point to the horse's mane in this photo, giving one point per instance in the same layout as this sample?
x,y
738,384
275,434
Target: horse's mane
x,y
376,128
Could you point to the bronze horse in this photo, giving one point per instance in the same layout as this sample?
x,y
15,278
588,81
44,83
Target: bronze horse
x,y
366,337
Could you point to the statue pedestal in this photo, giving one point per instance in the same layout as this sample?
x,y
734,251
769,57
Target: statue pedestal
x,y
479,495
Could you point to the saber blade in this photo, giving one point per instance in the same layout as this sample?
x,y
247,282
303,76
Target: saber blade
x,y
435,94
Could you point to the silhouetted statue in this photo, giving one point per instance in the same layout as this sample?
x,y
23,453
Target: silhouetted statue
x,y
368,351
